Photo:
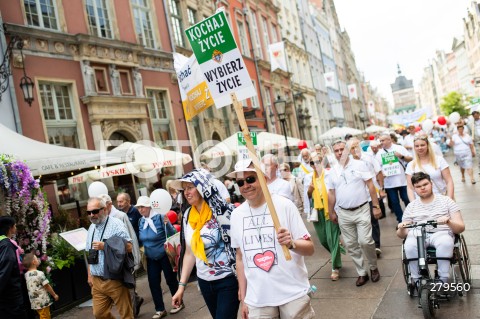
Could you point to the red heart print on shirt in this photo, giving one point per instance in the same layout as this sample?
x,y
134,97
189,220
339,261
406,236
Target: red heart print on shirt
x,y
264,261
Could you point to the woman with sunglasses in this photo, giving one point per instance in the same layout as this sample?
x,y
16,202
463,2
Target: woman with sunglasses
x,y
427,161
328,232
206,245
464,151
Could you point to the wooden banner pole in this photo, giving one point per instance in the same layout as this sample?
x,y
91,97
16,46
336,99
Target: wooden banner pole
x,y
256,163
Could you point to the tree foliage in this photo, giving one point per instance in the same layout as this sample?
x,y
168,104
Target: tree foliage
x,y
454,102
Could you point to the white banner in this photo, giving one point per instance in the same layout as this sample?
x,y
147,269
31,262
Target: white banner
x,y
352,91
371,108
330,80
278,59
415,116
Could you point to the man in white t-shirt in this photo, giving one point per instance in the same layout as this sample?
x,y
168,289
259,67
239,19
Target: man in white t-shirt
x,y
409,139
275,185
348,199
430,206
393,158
269,285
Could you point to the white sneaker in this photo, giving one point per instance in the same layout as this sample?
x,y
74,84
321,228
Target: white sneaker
x,y
159,314
378,251
177,310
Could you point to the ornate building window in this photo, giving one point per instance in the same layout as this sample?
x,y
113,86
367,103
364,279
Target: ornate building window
x,y
256,35
99,19
58,114
41,13
266,38
243,38
143,22
176,19
191,16
159,108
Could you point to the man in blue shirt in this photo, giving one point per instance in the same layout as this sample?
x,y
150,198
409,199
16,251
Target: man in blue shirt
x,y
105,292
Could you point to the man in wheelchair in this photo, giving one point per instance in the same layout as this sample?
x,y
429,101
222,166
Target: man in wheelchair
x,y
430,206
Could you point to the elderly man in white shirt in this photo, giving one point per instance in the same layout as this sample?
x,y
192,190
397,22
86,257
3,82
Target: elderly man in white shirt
x,y
275,185
348,205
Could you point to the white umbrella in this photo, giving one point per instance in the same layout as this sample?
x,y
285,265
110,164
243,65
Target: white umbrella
x,y
375,129
265,141
339,132
136,158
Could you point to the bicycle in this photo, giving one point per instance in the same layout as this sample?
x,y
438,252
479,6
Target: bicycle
x,y
428,287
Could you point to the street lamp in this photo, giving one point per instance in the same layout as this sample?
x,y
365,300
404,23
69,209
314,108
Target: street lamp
x,y
361,115
282,117
26,83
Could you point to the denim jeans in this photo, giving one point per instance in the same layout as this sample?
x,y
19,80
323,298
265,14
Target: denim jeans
x,y
154,273
221,297
395,199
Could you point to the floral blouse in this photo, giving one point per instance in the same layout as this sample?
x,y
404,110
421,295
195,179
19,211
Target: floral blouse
x,y
39,297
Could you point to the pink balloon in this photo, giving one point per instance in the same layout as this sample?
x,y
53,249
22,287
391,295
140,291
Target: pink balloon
x,y
236,204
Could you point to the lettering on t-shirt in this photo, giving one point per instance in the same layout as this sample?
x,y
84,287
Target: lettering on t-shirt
x,y
258,237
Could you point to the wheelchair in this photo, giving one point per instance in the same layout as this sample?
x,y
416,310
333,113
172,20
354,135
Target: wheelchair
x,y
429,285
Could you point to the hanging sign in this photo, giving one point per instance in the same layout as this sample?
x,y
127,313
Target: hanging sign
x,y
242,149
390,164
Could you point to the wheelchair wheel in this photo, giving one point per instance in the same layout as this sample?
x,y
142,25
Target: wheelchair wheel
x,y
464,261
427,301
405,269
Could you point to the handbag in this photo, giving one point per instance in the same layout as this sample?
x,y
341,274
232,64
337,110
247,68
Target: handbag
x,y
312,216
172,249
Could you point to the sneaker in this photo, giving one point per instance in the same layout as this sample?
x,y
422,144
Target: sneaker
x,y
378,251
159,314
177,310
335,275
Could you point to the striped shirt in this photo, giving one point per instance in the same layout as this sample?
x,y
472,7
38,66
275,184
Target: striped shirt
x,y
419,212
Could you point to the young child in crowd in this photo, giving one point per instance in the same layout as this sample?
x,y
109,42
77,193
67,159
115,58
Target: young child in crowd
x,y
38,286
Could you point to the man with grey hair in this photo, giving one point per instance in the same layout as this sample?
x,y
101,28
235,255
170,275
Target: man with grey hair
x,y
296,185
275,185
114,212
105,293
394,158
348,199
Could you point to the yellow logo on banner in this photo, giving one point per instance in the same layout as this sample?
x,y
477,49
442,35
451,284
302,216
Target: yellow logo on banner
x,y
198,100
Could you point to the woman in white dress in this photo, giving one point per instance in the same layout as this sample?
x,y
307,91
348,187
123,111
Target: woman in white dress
x,y
425,160
464,151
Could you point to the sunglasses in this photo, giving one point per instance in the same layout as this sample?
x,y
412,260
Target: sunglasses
x,y
94,211
423,138
249,180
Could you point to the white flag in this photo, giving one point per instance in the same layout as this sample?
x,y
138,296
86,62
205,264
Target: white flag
x,y
371,108
330,80
352,91
277,56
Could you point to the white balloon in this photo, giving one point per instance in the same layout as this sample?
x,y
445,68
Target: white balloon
x,y
427,126
454,117
96,189
160,201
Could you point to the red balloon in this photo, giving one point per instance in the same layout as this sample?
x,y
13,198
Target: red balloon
x,y
371,137
418,129
172,216
177,227
442,120
302,144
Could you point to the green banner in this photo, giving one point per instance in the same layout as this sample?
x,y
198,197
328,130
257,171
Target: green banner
x,y
241,139
388,158
211,38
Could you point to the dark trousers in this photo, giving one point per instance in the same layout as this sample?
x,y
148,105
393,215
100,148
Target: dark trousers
x,y
154,272
393,196
221,297
375,227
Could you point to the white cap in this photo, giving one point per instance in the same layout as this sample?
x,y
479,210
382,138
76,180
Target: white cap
x,y
244,166
143,201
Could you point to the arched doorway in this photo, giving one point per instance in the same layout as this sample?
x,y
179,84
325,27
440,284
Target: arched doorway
x,y
216,136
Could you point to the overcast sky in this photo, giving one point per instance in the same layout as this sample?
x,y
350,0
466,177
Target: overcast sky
x,y
386,32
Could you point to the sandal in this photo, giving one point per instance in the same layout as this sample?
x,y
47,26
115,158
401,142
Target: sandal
x,y
335,275
463,180
474,182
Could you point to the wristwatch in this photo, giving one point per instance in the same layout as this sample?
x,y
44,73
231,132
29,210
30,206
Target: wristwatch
x,y
292,245
402,157
376,206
